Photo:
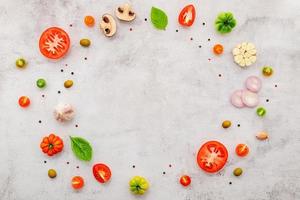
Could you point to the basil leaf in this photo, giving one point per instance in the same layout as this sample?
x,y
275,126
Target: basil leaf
x,y
81,148
159,18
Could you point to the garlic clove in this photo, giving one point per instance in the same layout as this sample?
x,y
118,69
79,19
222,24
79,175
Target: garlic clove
x,y
262,135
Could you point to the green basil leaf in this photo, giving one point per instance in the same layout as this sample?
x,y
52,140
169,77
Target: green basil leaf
x,y
159,18
81,148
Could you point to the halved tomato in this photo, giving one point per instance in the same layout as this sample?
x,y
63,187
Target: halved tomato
x,y
54,43
101,172
212,156
187,15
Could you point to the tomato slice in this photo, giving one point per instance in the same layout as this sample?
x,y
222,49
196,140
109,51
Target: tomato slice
x,y
185,180
77,182
242,150
187,15
54,43
101,172
212,156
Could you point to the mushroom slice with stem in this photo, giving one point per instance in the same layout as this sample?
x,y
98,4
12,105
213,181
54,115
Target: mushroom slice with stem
x,y
108,25
125,13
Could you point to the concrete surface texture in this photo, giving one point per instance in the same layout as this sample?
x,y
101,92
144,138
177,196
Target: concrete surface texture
x,y
150,98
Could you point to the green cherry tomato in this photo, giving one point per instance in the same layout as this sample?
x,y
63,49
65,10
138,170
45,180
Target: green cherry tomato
x,y
41,83
52,173
261,111
237,171
267,71
21,62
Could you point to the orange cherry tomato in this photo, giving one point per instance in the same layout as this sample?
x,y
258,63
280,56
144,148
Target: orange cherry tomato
x,y
187,15
24,101
52,145
77,182
101,172
185,180
218,49
89,21
54,43
212,156
242,150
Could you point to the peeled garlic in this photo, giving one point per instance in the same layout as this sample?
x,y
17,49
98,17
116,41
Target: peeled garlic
x,y
262,135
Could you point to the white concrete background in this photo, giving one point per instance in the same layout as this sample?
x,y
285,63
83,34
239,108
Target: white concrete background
x,y
150,98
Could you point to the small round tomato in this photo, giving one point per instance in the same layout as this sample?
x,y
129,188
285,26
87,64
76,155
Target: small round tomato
x,y
54,43
89,20
24,101
185,180
218,49
187,15
77,182
242,150
101,172
212,156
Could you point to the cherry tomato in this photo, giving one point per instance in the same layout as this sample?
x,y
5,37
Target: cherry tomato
x,y
218,49
89,21
187,15
101,172
77,182
242,150
54,43
185,180
24,101
212,156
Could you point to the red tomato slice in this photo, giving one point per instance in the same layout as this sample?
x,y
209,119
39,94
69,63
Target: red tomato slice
x,y
187,15
101,172
212,156
77,182
242,150
54,43
185,180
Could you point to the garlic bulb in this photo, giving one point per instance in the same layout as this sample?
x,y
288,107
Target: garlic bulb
x,y
64,112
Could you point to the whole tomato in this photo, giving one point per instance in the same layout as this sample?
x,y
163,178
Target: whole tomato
x,y
52,145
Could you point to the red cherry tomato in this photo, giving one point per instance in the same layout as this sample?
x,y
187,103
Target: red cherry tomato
x,y
54,43
218,49
212,156
185,180
242,150
24,101
101,172
187,15
77,182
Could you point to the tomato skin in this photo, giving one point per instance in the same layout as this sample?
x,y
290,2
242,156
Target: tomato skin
x,y
242,150
24,101
60,48
212,156
185,180
77,182
187,15
101,172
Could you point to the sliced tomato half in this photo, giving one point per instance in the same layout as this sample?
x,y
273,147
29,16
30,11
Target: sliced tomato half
x,y
54,43
101,172
212,156
187,15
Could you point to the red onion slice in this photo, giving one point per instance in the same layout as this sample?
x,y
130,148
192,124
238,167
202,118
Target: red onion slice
x,y
249,98
253,83
236,99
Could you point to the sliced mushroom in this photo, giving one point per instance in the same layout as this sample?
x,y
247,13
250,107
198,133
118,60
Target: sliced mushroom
x,y
125,13
108,25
